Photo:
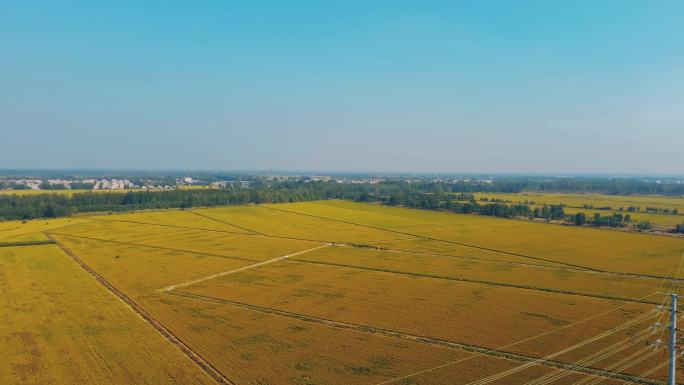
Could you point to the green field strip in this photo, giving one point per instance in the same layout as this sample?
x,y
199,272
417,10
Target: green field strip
x,y
27,243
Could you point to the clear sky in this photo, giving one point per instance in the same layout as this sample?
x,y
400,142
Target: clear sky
x,y
479,86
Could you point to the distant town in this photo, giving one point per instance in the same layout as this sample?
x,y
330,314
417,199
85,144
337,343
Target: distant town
x,y
171,180
166,182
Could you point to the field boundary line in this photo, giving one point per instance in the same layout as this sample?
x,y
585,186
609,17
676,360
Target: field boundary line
x,y
567,266
381,249
221,221
477,281
475,246
167,334
435,276
40,242
429,238
167,225
486,260
214,230
157,247
239,269
479,350
534,265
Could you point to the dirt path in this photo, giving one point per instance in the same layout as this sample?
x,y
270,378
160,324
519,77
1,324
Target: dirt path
x,y
421,339
240,269
208,368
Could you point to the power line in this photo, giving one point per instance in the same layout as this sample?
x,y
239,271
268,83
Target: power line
x,y
515,343
597,337
606,352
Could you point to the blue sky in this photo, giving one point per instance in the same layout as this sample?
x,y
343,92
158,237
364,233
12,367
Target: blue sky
x,y
478,86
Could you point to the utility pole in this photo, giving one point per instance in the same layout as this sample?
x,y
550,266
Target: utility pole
x,y
673,341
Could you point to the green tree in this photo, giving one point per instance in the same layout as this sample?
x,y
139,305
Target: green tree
x,y
580,219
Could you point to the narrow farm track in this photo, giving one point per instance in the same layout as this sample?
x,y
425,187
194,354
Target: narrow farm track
x,y
193,355
476,246
421,339
239,269
478,281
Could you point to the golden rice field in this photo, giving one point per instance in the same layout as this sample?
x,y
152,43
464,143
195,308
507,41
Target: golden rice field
x,y
60,326
333,292
575,203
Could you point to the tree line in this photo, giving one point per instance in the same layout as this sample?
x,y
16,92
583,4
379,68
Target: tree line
x,y
423,195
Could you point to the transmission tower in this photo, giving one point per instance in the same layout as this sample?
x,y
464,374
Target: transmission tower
x,y
672,343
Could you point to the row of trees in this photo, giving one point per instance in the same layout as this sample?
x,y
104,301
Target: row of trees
x,y
417,195
57,205
499,209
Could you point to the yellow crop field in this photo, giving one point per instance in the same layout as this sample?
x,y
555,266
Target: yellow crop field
x,y
262,220
362,297
560,279
32,230
576,203
589,248
225,244
59,326
663,221
179,218
258,347
596,200
336,292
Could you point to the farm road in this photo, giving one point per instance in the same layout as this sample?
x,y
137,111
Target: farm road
x,y
240,269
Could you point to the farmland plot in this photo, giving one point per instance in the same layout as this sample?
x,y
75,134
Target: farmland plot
x,y
346,293
590,248
59,326
560,279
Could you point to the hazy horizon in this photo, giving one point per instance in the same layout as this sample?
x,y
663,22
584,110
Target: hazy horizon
x,y
444,87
